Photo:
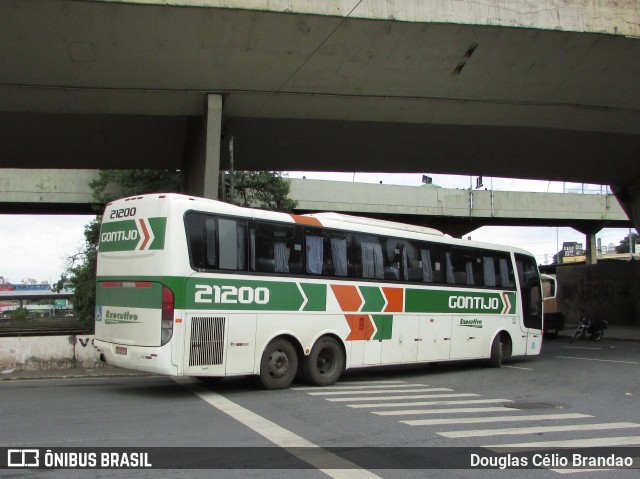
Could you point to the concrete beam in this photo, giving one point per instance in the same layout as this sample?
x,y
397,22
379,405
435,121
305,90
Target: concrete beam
x,y
453,211
619,18
318,195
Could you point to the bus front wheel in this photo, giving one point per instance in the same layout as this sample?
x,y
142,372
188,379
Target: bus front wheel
x,y
278,365
325,363
497,352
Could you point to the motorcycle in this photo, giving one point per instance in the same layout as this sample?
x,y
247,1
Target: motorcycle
x,y
593,329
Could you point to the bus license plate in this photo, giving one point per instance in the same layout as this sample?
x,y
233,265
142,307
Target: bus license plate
x,y
121,350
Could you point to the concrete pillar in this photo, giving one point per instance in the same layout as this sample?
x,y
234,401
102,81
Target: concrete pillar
x,y
629,198
203,165
592,248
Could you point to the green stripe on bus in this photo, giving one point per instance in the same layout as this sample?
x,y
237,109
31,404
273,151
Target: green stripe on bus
x,y
429,301
316,296
384,324
242,295
252,295
149,296
374,300
158,227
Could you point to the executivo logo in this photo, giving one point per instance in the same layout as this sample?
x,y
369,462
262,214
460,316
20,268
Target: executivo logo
x,y
111,317
471,323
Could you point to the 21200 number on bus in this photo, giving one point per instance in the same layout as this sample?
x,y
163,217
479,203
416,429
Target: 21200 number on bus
x,y
231,294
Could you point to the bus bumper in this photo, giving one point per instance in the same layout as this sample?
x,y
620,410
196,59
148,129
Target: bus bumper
x,y
140,358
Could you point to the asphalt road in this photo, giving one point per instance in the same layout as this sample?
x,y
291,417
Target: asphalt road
x,y
581,395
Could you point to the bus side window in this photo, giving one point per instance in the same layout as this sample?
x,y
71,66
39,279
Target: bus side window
x,y
368,261
210,241
498,271
233,244
276,248
314,249
194,228
339,261
326,253
489,266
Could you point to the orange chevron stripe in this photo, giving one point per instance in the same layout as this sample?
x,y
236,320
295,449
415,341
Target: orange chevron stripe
x,y
361,327
395,300
347,296
306,220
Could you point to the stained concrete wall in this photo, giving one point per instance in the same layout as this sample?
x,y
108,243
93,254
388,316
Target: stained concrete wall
x,y
47,352
619,18
608,290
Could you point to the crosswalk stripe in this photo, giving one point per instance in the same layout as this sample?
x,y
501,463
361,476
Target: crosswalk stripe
x,y
362,385
457,410
379,391
478,420
538,429
571,443
635,465
599,360
432,403
394,398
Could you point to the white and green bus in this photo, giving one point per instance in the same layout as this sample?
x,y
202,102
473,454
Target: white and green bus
x,y
197,287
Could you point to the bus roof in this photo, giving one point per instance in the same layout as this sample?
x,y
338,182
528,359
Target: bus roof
x,y
326,220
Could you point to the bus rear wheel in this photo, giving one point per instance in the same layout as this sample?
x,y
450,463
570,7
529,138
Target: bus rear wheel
x,y
325,363
278,365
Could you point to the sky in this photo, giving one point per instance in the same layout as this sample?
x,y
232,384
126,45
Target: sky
x,y
38,246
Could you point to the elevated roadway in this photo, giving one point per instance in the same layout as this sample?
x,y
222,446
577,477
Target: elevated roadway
x,y
547,90
454,211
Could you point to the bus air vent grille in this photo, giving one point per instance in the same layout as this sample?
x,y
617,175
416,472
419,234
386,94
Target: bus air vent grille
x,y
207,341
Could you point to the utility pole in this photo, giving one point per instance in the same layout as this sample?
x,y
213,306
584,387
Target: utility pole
x,y
232,182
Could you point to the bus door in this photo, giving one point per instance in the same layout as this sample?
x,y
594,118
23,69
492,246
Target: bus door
x,y
467,334
435,338
366,346
402,345
531,294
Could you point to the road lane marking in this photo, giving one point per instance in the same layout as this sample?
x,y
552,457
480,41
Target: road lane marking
x,y
457,410
311,453
518,367
432,403
395,398
538,429
571,443
600,360
583,347
491,419
362,385
635,465
379,391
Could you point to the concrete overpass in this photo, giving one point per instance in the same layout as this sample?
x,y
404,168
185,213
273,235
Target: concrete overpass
x,y
498,88
453,211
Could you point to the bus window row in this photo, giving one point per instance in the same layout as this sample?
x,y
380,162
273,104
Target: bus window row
x,y
218,243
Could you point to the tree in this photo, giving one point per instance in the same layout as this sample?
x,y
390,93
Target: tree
x,y
114,184
267,190
623,247
19,315
110,185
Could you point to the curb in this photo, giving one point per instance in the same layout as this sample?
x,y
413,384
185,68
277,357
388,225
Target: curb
x,y
38,374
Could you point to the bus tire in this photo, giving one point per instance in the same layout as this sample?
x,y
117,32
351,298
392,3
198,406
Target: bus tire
x,y
325,363
497,352
278,365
